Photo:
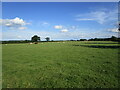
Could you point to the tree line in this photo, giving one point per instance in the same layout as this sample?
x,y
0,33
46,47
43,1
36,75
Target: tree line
x,y
35,39
113,38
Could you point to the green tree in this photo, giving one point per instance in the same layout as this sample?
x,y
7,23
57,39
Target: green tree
x,y
47,39
83,39
113,38
35,39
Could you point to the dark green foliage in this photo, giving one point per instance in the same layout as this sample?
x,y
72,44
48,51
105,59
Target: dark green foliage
x,y
16,41
47,39
83,39
113,38
35,38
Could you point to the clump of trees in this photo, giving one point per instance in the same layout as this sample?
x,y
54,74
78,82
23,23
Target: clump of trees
x,y
35,39
83,39
47,39
16,41
113,38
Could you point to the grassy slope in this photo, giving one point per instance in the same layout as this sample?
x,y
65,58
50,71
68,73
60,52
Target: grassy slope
x,y
59,65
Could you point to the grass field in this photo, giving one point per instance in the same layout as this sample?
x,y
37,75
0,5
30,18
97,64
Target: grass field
x,y
85,64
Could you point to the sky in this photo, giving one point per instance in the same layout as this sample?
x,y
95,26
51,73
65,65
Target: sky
x,y
59,20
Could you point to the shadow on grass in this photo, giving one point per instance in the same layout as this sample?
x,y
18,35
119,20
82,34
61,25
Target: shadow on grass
x,y
102,43
97,46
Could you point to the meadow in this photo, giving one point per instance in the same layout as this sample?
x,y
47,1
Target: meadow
x,y
70,64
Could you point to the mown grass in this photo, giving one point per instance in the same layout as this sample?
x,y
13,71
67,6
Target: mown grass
x,y
60,65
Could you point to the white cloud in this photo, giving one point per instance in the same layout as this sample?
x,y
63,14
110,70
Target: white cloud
x,y
8,24
58,26
64,30
14,23
101,16
113,30
19,37
61,28
22,28
45,23
76,34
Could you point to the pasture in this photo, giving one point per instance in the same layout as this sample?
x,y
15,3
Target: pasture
x,y
70,64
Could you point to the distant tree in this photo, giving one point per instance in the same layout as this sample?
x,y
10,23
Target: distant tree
x,y
113,38
26,41
83,39
47,39
35,39
71,40
95,39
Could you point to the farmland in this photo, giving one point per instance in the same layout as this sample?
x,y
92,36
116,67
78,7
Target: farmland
x,y
70,64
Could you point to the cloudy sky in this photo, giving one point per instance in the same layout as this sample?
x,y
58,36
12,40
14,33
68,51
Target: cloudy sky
x,y
59,21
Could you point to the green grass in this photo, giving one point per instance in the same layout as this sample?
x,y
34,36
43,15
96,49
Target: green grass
x,y
60,65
